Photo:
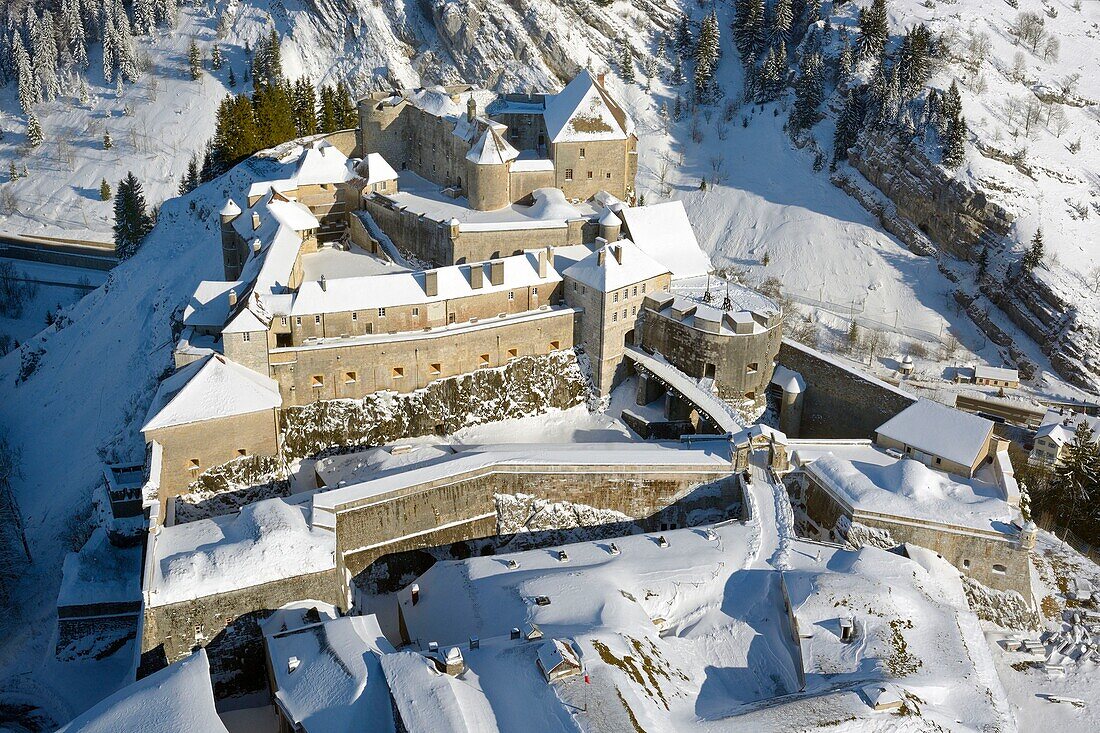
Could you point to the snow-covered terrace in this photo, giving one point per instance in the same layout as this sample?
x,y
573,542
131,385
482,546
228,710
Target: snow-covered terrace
x,y
704,457
866,479
551,209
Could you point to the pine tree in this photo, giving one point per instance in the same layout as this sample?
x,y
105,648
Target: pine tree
x,y
236,136
305,108
216,58
346,111
913,60
780,29
1034,255
104,188
983,261
72,29
13,172
955,129
749,28
873,30
853,337
626,63
274,109
707,53
848,125
34,131
83,95
28,89
809,92
232,78
194,59
127,60
132,221
327,119
1075,486
45,57
190,180
845,62
684,43
165,11
144,17
107,142
677,78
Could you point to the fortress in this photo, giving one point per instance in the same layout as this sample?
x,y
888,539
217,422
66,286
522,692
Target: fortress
x,y
482,242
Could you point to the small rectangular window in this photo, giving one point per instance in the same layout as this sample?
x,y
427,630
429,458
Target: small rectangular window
x,y
569,174
574,286
194,464
297,320
615,317
416,312
242,452
534,291
582,153
513,353
247,336
633,310
283,320
590,175
354,316
635,290
616,297
511,295
350,377
318,380
608,175
317,320
381,312
398,372
435,369
752,367
643,287
554,345
483,361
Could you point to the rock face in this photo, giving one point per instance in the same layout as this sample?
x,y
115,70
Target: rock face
x,y
960,220
526,386
935,214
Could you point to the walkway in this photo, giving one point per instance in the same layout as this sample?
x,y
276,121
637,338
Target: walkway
x,y
707,403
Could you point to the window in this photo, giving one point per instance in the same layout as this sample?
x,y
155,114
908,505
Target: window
x,y
582,157
569,174
435,369
370,328
513,353
242,452
354,316
590,175
615,317
635,290
584,290
966,564
317,320
624,314
416,312
511,295
633,310
616,297
350,377
194,464
554,345
1000,569
752,367
246,336
318,380
450,318
398,372
381,312
483,361
574,286
608,176
534,291
643,287
283,320
297,320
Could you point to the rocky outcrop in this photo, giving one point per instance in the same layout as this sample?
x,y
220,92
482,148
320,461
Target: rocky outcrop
x,y
959,219
933,213
528,385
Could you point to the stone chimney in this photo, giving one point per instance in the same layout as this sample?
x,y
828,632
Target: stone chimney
x,y
471,109
257,245
232,298
255,220
496,272
477,277
323,283
431,283
542,263
617,250
550,256
601,256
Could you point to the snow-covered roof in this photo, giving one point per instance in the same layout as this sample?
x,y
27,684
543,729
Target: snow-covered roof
x,y
554,652
583,112
437,703
491,149
941,431
374,169
100,572
176,699
604,271
405,288
664,233
788,380
210,388
867,479
1060,427
321,162
997,373
209,304
550,210
337,684
230,209
742,300
267,541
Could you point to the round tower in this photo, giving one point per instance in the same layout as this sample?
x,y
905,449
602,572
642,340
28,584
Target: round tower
x,y
610,226
487,185
232,254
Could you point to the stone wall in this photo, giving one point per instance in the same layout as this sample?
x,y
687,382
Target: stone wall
x,y
525,386
353,369
611,164
840,402
991,558
227,624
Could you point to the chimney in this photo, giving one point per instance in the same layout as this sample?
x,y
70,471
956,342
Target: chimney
x,y
542,263
600,77
601,256
617,250
324,283
232,298
255,220
471,109
415,593
550,256
496,272
257,245
431,283
292,664
475,643
477,277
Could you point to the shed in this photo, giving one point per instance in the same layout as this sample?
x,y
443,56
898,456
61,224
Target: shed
x,y
557,660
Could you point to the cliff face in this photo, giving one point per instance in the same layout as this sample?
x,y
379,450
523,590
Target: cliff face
x,y
934,213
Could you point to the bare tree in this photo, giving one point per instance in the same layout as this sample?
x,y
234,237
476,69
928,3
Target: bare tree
x,y
1029,29
1019,67
1051,47
1093,278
